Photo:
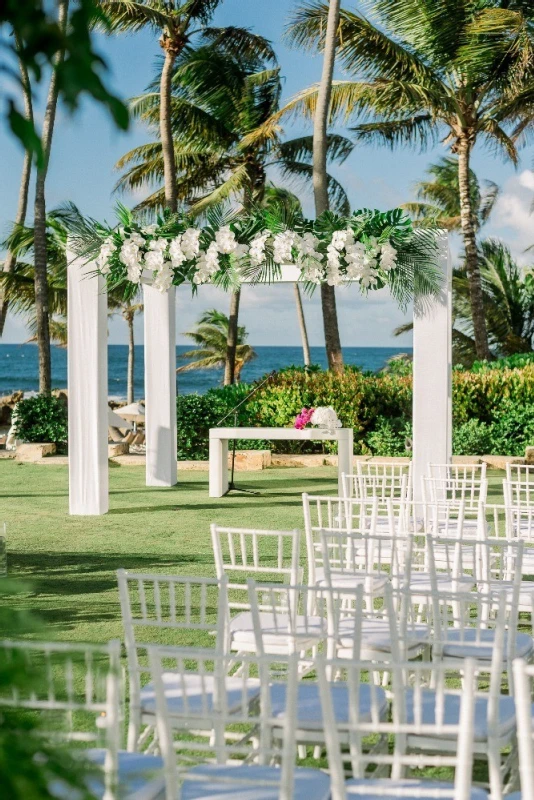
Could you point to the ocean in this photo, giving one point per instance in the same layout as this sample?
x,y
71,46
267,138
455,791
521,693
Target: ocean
x,y
18,366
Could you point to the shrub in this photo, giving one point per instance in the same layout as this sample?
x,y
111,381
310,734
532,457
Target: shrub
x,y
42,419
472,438
391,437
517,361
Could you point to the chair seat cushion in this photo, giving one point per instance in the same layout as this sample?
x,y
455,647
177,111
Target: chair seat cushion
x,y
309,713
420,582
196,688
309,630
376,635
352,580
212,781
482,644
506,713
138,773
526,591
369,789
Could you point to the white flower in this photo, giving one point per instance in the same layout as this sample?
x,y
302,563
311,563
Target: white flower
x,y
150,229
282,247
137,239
107,248
257,248
160,245
225,240
176,253
164,278
208,264
154,260
129,253
191,243
388,256
325,417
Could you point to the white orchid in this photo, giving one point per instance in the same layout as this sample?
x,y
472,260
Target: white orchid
x,y
257,248
176,253
325,417
191,243
225,240
150,230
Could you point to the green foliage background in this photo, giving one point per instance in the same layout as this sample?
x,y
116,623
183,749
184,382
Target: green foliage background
x,y
493,411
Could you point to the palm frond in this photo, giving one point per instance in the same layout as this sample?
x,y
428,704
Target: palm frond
x,y
420,130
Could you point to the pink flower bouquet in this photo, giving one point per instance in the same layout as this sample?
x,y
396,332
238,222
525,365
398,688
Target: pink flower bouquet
x,y
304,418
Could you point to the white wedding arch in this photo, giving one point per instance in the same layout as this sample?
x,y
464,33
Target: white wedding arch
x,y
88,381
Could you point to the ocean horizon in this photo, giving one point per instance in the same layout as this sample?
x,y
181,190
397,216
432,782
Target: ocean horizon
x,y
19,366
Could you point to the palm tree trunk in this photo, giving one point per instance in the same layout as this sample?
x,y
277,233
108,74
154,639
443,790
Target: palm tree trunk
x,y
231,341
40,255
471,253
10,262
302,325
165,125
131,359
320,181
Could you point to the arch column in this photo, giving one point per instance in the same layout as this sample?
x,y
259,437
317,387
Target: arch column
x,y
160,386
87,388
432,376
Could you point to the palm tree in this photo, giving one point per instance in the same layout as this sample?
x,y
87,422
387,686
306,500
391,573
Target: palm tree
x,y
39,216
438,202
222,99
128,311
22,205
459,70
18,284
210,335
508,294
280,199
177,22
320,180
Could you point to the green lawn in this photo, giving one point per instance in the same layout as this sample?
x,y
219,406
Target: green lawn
x,y
70,562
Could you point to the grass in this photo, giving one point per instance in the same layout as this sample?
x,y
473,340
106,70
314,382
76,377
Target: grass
x,y
70,562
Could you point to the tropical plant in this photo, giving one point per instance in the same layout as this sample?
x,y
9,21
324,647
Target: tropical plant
x,y
508,295
210,337
32,35
42,418
128,311
438,202
460,70
22,204
177,22
222,97
334,352
275,198
19,289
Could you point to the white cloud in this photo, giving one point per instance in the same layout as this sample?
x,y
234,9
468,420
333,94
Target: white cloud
x,y
512,220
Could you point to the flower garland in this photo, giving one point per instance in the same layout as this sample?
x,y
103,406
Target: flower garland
x,y
365,248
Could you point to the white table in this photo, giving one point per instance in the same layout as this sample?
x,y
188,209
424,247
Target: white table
x,y
219,438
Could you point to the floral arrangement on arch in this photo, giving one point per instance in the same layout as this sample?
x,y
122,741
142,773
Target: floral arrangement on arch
x,y
320,417
372,248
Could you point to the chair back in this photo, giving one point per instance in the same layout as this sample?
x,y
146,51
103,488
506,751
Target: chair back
x,y
524,473
76,690
523,686
242,731
270,555
176,609
416,711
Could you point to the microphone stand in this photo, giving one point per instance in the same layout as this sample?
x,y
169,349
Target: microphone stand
x,y
231,485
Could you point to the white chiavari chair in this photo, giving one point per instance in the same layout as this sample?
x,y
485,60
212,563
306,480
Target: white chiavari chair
x,y
76,689
524,473
379,771
351,625
241,552
465,493
172,609
251,755
523,690
519,494
381,480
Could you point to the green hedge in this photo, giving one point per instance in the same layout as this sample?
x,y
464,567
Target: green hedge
x,y
493,411
42,418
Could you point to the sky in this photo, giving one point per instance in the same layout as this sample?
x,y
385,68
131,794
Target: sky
x,y
87,146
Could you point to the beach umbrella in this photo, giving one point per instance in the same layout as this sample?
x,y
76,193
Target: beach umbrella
x,y
135,412
114,421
